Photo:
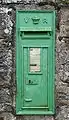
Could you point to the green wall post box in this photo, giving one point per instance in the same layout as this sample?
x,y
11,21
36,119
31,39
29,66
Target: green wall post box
x,y
35,41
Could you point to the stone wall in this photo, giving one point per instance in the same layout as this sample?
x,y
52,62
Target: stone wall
x,y
7,57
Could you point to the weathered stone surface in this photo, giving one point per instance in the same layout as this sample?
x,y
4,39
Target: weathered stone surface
x,y
6,107
5,95
27,1
7,59
63,1
62,114
6,22
10,1
7,116
5,62
35,118
62,67
64,22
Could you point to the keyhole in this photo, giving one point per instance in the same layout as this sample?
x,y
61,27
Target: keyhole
x,y
29,81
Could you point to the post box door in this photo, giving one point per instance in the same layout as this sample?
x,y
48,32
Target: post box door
x,y
35,77
36,70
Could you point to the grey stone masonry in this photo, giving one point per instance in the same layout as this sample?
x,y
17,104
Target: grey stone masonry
x,y
27,1
8,50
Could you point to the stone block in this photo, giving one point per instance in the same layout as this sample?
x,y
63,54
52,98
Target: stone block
x,y
62,1
64,22
5,96
62,113
35,118
5,62
7,116
27,1
6,23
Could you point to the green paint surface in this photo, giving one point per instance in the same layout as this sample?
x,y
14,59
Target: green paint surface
x,y
35,87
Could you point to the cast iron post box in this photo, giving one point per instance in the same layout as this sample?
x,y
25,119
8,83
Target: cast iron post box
x,y
35,41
